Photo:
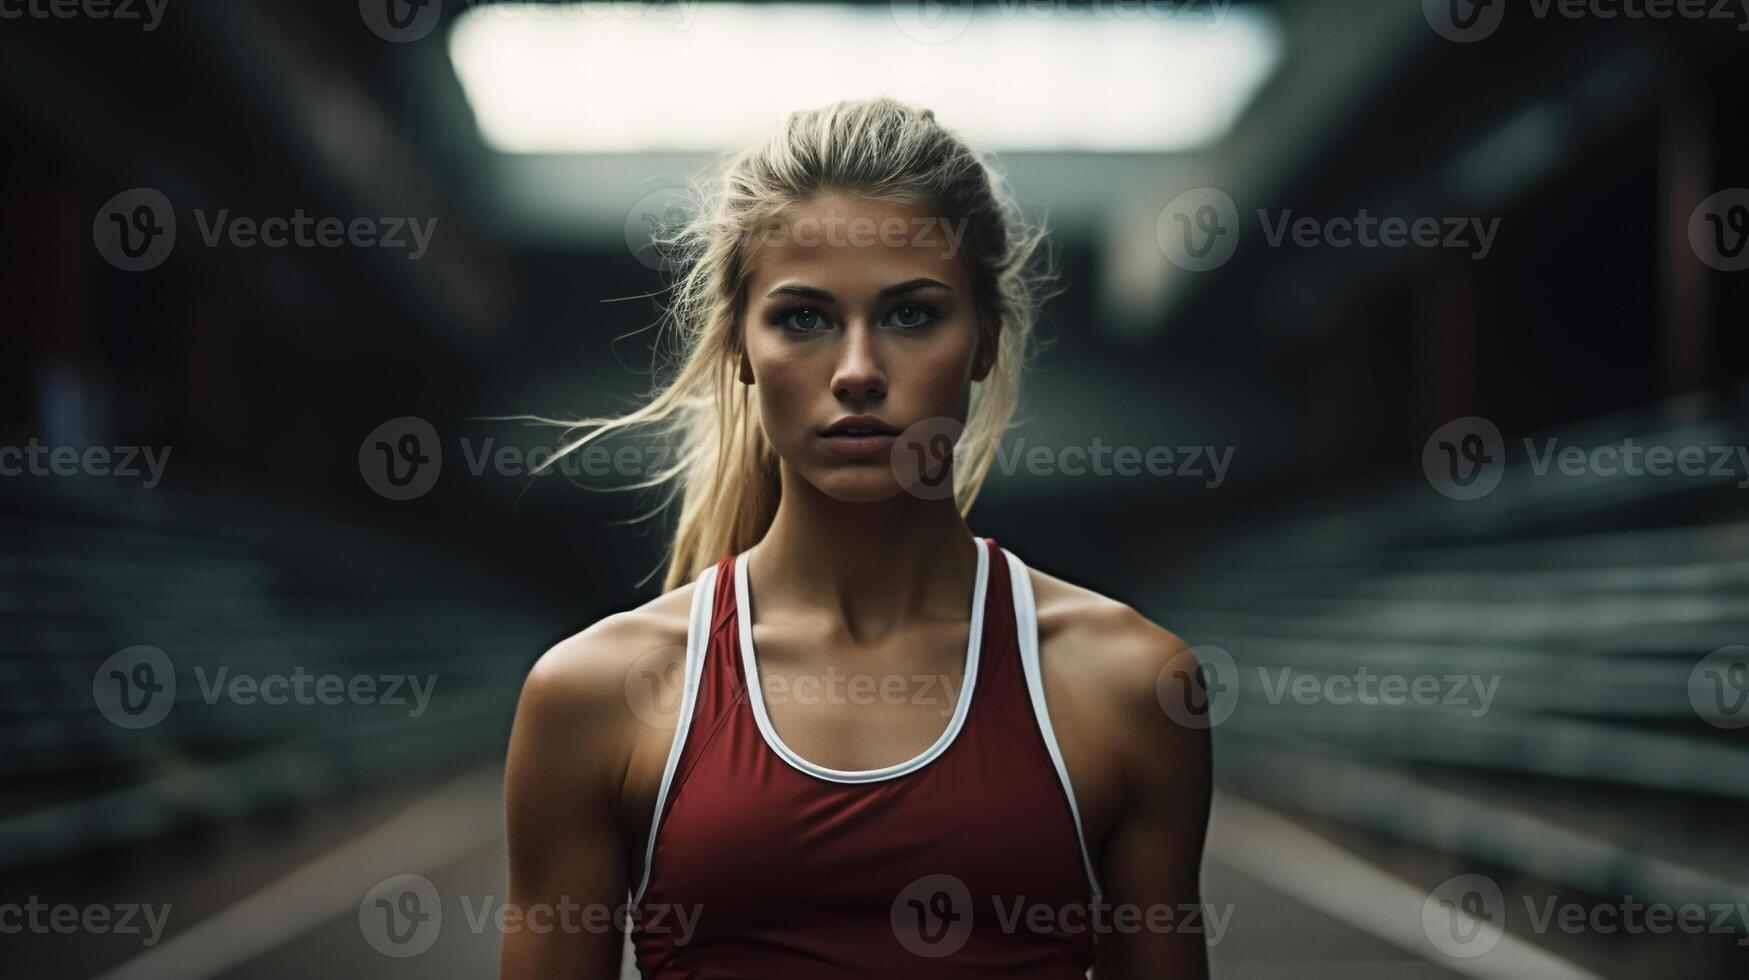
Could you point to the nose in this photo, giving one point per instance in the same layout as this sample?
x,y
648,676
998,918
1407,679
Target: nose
x,y
858,375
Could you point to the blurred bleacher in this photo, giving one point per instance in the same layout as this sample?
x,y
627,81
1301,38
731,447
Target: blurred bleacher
x,y
1591,599
228,580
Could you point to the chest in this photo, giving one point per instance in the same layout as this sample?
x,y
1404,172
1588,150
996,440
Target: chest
x,y
891,711
875,708
748,822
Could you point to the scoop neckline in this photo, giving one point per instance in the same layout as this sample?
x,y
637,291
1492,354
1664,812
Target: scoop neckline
x,y
756,691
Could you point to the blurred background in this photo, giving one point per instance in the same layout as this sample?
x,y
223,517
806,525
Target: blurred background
x,y
1439,308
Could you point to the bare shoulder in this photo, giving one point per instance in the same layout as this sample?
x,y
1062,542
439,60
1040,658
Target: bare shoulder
x,y
1109,671
601,682
575,740
1103,642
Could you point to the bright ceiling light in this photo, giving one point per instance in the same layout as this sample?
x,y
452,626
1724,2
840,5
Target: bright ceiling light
x,y
1016,75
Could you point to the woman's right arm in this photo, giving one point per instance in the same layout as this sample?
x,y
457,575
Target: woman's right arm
x,y
566,841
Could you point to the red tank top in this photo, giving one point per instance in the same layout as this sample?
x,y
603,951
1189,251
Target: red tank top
x,y
964,861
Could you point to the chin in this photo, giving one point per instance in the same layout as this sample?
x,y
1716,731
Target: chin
x,y
863,483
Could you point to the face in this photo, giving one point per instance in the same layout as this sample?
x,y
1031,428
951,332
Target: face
x,y
858,307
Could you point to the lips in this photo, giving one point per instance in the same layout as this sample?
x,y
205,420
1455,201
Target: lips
x,y
860,435
861,445
860,425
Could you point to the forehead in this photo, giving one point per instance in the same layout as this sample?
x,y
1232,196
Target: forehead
x,y
853,246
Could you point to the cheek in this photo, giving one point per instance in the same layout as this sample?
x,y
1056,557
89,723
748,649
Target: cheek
x,y
944,375
785,388
946,368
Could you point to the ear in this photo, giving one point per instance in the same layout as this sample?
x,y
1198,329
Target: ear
x,y
737,348
985,359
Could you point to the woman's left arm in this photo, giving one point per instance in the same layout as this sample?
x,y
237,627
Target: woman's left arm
x,y
1153,854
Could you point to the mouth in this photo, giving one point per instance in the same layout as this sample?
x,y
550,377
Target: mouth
x,y
860,435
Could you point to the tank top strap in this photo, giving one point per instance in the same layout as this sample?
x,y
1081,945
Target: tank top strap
x,y
712,683
1004,698
995,671
723,601
1016,685
721,686
700,710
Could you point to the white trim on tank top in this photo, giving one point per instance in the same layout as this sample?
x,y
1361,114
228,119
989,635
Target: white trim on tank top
x,y
697,634
1026,622
750,667
1026,630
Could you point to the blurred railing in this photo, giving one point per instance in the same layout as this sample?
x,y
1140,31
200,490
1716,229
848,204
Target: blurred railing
x,y
222,584
1587,602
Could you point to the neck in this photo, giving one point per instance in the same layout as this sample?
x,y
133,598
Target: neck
x,y
873,565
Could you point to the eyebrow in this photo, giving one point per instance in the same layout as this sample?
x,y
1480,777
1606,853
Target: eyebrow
x,y
912,285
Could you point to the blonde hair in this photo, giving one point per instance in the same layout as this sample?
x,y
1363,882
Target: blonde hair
x,y
725,471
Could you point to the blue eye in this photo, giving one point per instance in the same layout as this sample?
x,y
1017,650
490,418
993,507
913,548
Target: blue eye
x,y
804,320
918,316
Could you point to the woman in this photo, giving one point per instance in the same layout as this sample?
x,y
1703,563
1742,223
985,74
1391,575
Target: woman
x,y
900,783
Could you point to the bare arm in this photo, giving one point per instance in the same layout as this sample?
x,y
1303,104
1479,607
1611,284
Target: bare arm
x,y
567,843
1153,857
